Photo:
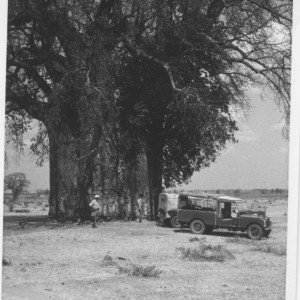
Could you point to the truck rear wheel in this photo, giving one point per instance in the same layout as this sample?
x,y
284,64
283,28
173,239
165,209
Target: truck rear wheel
x,y
174,222
197,227
255,232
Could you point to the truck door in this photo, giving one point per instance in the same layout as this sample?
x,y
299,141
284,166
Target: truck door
x,y
224,218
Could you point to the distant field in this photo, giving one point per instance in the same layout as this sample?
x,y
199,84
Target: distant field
x,y
65,261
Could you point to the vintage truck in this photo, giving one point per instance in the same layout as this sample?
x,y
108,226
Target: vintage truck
x,y
203,213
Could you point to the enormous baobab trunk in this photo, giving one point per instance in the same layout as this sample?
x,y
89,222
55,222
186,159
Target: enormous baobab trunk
x,y
70,177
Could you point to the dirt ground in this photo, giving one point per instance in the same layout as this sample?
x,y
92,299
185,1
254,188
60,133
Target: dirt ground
x,y
65,261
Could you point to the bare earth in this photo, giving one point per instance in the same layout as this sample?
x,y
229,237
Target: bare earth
x,y
65,261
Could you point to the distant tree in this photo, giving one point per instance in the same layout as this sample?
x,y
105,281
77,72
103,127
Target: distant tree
x,y
17,183
279,191
237,192
218,191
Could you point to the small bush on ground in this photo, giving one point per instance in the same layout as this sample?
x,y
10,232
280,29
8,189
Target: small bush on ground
x,y
140,271
206,252
108,261
270,249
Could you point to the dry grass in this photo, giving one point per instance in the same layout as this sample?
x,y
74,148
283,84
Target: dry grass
x,y
239,240
206,252
270,249
140,271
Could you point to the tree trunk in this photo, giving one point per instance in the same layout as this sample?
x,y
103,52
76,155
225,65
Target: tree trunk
x,y
155,177
13,201
53,195
69,184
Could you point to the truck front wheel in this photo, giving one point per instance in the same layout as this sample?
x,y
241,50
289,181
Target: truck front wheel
x,y
174,222
198,227
255,232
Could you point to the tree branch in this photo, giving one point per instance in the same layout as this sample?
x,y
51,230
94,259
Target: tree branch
x,y
38,110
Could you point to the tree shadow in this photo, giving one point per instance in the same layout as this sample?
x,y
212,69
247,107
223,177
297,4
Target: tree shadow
x,y
215,233
26,223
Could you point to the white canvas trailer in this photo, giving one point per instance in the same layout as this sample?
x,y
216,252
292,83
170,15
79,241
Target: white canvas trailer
x,y
166,203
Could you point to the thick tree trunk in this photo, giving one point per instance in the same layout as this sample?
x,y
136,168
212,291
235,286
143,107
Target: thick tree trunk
x,y
68,199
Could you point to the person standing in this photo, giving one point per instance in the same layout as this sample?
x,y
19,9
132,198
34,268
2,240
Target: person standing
x,y
140,207
95,206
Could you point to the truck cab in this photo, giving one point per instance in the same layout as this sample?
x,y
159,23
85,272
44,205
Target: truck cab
x,y
203,213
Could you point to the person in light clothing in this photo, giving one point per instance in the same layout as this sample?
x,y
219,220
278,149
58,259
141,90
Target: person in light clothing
x,y
95,206
139,202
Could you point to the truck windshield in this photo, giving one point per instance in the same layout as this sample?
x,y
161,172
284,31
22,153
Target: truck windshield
x,y
242,206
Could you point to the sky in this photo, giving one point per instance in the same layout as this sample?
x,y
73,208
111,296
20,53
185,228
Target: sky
x,y
258,160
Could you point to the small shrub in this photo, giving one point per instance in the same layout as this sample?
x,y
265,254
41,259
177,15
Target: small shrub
x,y
270,249
6,261
206,253
46,205
108,261
140,271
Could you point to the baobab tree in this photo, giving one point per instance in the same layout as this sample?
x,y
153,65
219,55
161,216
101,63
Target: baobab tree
x,y
92,71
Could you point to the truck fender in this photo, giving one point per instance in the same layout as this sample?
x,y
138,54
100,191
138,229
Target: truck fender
x,y
197,219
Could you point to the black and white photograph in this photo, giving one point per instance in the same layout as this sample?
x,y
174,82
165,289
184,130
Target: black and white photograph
x,y
150,149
